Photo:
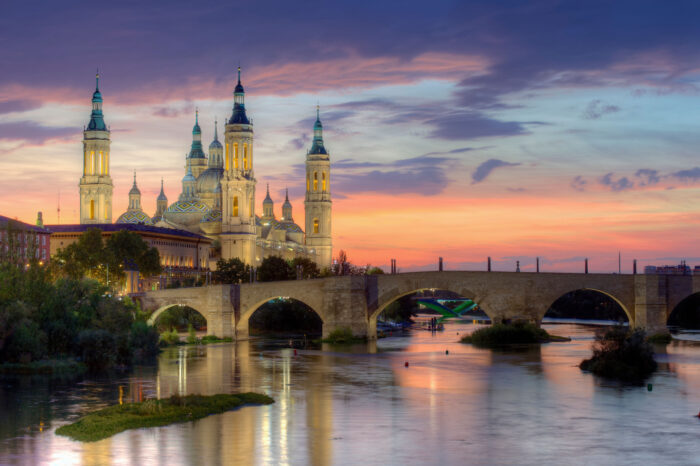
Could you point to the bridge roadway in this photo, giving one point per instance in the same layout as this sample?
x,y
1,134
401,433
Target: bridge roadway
x,y
356,301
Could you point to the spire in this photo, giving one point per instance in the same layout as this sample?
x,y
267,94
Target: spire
x,y
161,196
216,130
267,197
287,207
196,151
134,188
97,122
317,145
238,116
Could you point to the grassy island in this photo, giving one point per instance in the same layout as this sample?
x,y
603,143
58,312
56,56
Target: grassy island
x,y
154,413
498,335
623,354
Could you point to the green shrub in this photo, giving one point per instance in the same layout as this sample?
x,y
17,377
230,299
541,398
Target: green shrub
x,y
342,335
143,341
507,334
192,336
623,354
170,337
660,338
98,349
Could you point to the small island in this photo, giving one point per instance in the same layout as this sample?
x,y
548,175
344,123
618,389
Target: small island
x,y
623,354
501,335
155,413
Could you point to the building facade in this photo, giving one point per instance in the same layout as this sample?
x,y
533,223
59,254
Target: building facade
x,y
21,242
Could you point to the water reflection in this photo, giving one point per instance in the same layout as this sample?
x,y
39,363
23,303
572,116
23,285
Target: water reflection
x,y
453,404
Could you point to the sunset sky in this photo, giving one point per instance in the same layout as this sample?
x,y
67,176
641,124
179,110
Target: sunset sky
x,y
462,129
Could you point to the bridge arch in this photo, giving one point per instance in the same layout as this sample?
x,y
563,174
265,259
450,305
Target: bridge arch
x,y
612,296
686,314
390,298
158,312
242,324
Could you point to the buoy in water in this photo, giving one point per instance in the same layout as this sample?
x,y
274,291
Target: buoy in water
x,y
447,351
405,364
649,387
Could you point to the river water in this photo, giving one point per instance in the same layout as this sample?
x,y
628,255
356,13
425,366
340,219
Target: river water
x,y
362,405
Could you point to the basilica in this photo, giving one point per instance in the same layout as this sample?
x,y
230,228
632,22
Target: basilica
x,y
218,193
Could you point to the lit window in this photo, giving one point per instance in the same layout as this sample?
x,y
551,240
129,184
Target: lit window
x,y
235,206
315,225
323,181
92,209
315,181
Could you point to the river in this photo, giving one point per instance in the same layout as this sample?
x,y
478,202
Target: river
x,y
362,405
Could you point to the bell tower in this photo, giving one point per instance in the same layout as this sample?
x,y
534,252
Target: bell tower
x,y
96,183
238,232
317,204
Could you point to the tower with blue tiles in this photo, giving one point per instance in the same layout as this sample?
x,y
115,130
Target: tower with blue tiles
x,y
317,203
238,223
96,182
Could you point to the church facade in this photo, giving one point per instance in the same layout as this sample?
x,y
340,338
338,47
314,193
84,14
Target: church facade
x,y
218,198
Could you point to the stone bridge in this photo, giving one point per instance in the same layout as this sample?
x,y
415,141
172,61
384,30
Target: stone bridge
x,y
356,301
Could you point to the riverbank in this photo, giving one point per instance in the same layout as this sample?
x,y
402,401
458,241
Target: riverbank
x,y
54,367
154,413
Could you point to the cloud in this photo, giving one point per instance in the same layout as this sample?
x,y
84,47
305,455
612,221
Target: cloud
x,y
621,184
173,112
579,183
418,175
485,169
34,133
692,174
596,109
472,125
300,142
20,105
648,176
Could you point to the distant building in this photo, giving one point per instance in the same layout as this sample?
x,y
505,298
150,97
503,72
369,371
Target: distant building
x,y
680,269
183,255
20,242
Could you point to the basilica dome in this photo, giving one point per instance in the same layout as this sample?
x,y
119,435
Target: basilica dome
x,y
187,214
134,217
209,180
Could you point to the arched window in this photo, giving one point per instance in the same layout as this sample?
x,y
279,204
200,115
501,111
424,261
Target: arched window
x,y
235,206
228,156
315,181
92,162
323,181
235,156
92,209
107,163
308,182
315,225
245,156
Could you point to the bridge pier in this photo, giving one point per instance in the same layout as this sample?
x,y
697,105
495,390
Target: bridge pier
x,y
343,302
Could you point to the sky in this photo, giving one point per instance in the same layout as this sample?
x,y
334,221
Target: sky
x,y
464,129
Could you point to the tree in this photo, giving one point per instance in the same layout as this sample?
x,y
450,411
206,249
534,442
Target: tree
x,y
91,257
274,268
231,271
309,267
369,270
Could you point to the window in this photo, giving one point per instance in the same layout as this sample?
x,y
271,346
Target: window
x,y
228,155
235,206
245,156
315,225
92,209
315,181
323,181
308,182
92,162
235,155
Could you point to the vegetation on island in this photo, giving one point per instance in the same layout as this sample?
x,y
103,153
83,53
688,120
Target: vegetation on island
x,y
518,333
154,413
621,353
343,336
46,316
